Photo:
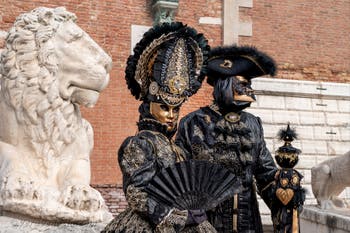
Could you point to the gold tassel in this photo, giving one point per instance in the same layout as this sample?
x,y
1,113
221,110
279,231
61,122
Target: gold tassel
x,y
295,223
234,217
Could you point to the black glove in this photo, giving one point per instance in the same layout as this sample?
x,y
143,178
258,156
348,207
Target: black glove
x,y
196,217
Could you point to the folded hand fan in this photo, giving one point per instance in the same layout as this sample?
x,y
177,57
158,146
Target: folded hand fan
x,y
193,184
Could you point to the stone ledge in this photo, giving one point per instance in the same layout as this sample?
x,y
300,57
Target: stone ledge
x,y
314,219
245,3
14,225
288,87
210,20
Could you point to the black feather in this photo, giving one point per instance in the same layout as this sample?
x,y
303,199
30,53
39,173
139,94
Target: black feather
x,y
287,134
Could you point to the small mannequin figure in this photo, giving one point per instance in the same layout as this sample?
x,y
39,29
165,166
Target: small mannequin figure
x,y
290,194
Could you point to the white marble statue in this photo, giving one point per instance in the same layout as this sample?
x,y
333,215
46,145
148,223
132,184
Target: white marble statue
x,y
49,67
329,179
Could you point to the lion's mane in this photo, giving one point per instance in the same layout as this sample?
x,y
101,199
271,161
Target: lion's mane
x,y
28,66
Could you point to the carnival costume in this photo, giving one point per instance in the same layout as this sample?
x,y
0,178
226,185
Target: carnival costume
x,y
285,209
223,133
165,68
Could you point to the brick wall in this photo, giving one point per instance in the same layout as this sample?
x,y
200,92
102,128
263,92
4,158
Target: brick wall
x,y
114,197
302,34
309,40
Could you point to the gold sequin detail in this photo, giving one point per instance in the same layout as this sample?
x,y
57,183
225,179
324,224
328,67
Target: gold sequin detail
x,y
284,182
295,180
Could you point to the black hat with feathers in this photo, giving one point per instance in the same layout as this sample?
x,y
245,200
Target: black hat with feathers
x,y
168,64
246,61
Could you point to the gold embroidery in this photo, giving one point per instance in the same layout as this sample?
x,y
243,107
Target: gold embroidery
x,y
227,64
295,180
232,117
177,84
284,182
284,195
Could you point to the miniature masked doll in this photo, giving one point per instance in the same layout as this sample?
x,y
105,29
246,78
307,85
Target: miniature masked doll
x,y
290,195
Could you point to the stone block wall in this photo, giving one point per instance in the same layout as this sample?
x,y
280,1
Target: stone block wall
x,y
319,111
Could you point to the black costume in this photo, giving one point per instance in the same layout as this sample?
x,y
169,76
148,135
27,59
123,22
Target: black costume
x,y
140,158
241,148
166,69
224,134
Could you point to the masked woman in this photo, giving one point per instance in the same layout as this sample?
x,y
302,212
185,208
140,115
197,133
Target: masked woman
x,y
163,72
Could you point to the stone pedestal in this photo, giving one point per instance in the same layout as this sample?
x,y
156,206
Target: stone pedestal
x,y
14,225
314,219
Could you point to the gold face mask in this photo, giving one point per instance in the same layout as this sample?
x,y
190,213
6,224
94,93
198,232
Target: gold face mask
x,y
165,114
246,97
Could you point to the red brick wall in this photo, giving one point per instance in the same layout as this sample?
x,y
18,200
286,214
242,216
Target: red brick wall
x,y
114,197
309,40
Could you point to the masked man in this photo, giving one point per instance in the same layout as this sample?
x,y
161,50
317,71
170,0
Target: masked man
x,y
223,133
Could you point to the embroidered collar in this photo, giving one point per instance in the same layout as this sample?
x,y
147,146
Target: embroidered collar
x,y
156,126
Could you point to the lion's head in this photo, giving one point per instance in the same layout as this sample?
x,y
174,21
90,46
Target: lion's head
x,y
49,66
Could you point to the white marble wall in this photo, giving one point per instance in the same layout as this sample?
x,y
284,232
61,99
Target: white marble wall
x,y
320,113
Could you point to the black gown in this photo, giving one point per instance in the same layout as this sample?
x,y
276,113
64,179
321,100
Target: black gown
x,y
206,135
140,158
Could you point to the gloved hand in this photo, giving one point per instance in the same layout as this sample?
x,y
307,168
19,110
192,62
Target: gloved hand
x,y
175,221
196,217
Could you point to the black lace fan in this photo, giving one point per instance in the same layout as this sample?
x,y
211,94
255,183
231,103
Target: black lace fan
x,y
193,185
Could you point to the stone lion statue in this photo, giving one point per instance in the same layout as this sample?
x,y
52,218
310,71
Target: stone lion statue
x,y
329,179
49,67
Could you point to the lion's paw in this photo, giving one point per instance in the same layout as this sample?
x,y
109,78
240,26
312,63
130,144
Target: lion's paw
x,y
20,188
82,197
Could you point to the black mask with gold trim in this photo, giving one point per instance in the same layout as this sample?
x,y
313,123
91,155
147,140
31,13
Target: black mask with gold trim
x,y
230,70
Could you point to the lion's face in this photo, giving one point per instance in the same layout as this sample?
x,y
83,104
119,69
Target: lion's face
x,y
47,64
82,65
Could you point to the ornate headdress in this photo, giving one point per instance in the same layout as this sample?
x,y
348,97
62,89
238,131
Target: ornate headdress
x,y
168,64
235,60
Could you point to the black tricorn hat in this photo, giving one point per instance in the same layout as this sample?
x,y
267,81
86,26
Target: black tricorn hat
x,y
235,60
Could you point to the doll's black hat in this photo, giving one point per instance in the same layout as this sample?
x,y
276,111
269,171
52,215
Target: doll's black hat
x,y
168,64
287,156
234,60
